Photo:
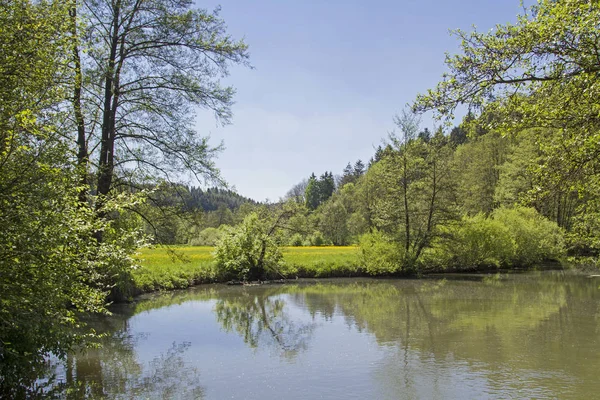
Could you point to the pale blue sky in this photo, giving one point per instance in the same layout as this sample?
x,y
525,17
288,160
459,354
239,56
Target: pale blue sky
x,y
328,78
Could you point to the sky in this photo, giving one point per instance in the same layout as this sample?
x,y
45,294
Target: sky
x,y
328,77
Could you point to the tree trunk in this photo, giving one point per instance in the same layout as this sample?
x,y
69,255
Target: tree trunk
x,y
107,143
107,146
405,190
82,149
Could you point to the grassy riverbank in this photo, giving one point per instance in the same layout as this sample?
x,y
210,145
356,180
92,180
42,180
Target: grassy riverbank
x,y
165,268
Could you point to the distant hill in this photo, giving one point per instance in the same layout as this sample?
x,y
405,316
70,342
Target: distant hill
x,y
192,198
211,199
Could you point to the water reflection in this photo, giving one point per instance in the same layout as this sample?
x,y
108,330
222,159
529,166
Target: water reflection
x,y
113,371
263,320
523,335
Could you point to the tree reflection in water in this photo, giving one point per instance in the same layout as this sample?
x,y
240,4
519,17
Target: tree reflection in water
x,y
112,370
500,334
261,318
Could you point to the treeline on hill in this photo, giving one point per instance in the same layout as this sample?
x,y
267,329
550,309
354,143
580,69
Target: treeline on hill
x,y
465,200
471,198
430,202
517,182
179,214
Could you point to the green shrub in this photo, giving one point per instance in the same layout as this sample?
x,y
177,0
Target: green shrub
x,y
379,255
482,242
247,252
317,239
509,237
208,237
536,238
296,240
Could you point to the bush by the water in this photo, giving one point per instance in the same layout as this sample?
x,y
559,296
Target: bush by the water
x,y
509,237
248,251
477,241
535,237
379,254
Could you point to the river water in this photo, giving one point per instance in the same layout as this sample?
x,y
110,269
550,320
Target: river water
x,y
519,335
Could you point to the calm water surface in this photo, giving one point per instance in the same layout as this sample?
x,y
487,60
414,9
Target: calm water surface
x,y
529,335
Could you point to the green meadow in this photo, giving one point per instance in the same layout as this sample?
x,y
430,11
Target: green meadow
x,y
178,267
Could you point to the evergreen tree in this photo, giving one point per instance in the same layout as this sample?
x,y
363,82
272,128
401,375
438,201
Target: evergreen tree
x,y
425,135
326,186
359,169
378,154
312,193
347,176
458,136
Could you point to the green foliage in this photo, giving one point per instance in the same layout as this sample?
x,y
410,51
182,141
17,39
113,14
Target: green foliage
x,y
296,240
208,237
347,176
52,268
334,222
480,242
584,238
538,74
516,177
45,258
46,249
477,173
535,237
316,239
520,181
311,194
211,199
176,214
326,187
138,99
413,191
318,190
380,255
248,251
509,237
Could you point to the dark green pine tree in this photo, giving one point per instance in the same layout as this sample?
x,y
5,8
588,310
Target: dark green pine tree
x,y
458,136
312,194
326,186
359,169
378,155
347,175
425,135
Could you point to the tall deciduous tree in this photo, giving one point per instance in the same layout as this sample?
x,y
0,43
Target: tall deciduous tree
x,y
50,267
334,221
541,72
415,194
146,65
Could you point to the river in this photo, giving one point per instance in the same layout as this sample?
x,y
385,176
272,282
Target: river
x,y
518,335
